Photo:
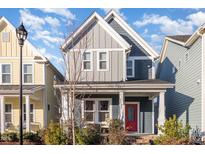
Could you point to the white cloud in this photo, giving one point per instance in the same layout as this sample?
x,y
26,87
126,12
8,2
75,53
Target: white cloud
x,y
166,25
31,21
51,57
46,35
54,22
117,10
156,38
197,18
60,11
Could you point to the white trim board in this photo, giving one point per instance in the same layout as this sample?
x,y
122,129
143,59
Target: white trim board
x,y
125,26
105,25
202,85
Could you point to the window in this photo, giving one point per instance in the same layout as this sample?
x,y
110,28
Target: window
x,y
89,110
87,59
8,113
103,111
103,61
130,68
97,111
27,73
5,36
31,113
6,73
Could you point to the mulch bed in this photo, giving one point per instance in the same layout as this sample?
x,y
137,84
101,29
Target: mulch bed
x,y
17,143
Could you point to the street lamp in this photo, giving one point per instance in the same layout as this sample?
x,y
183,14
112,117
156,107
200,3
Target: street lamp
x,y
21,34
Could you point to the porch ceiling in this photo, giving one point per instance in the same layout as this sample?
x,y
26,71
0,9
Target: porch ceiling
x,y
14,89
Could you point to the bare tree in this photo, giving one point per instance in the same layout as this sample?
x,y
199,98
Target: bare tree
x,y
73,58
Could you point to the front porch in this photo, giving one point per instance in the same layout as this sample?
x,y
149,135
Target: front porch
x,y
32,108
132,102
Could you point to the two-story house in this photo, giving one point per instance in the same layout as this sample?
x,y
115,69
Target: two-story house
x,y
182,63
118,74
40,103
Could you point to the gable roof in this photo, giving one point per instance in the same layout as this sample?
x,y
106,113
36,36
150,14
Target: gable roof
x,y
131,32
39,56
183,40
31,45
104,24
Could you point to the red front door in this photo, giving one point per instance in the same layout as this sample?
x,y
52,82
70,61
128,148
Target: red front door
x,y
131,117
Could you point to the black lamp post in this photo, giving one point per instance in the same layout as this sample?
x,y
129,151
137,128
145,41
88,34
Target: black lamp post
x,y
21,34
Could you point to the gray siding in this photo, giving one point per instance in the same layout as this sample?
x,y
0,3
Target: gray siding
x,y
137,49
142,69
94,37
114,72
185,99
141,66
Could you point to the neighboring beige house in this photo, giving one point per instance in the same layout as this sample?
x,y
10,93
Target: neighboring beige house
x,y
40,101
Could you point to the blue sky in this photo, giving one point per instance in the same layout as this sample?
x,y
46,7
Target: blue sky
x,y
48,27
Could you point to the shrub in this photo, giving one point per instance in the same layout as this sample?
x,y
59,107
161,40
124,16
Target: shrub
x,y
32,137
90,135
173,132
55,135
196,136
9,137
116,132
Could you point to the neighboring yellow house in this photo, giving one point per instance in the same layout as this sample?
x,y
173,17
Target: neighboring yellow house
x,y
40,101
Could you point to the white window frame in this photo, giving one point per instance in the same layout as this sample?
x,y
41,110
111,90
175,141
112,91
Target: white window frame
x,y
98,60
27,73
96,111
133,72
1,82
8,113
91,61
29,113
89,111
2,36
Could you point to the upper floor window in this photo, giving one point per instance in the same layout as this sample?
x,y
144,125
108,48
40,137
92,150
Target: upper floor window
x,y
6,73
28,73
130,68
5,37
87,61
102,61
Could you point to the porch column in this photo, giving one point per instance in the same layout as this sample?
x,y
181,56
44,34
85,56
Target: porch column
x,y
27,113
161,116
64,101
121,106
2,109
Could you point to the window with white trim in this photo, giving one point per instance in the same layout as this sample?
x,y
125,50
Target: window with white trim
x,y
8,113
6,73
89,110
31,113
97,111
130,68
5,37
103,110
28,73
103,61
87,61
